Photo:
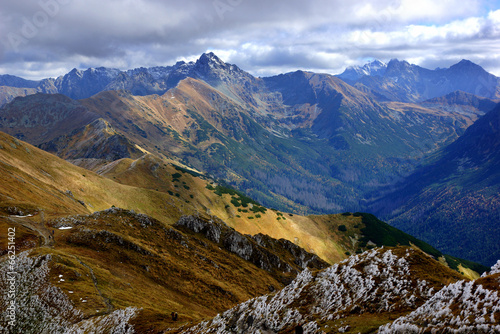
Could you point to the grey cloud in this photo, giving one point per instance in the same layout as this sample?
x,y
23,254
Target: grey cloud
x,y
286,34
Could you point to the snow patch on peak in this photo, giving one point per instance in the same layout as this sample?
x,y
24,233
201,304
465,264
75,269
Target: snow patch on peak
x,y
374,68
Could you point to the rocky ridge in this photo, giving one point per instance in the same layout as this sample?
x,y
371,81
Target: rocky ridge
x,y
461,307
405,82
380,281
281,257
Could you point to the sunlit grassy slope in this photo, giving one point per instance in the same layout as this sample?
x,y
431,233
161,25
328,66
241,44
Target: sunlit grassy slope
x,y
34,181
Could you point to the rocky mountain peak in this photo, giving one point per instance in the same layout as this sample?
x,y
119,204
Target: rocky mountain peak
x,y
465,63
376,67
467,67
74,73
396,67
210,61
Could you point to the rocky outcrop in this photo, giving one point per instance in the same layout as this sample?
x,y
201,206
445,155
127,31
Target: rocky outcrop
x,y
381,281
281,257
462,307
42,307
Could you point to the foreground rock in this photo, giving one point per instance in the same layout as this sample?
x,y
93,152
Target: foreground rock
x,y
373,286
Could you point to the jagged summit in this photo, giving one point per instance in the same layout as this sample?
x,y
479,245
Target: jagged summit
x,y
209,57
209,66
404,82
375,67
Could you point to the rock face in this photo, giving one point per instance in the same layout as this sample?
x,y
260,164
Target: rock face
x,y
381,281
281,257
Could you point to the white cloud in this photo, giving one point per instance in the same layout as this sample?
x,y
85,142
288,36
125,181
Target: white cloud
x,y
261,36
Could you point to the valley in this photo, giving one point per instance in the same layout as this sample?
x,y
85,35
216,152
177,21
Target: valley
x,y
246,204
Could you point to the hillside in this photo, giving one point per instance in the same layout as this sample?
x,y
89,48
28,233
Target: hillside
x,y
357,295
101,264
45,186
300,141
454,197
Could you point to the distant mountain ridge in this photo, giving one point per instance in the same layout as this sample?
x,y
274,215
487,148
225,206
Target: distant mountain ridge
x,y
411,83
80,84
405,82
356,72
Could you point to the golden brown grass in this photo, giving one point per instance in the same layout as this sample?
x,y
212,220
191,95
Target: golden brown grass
x,y
153,267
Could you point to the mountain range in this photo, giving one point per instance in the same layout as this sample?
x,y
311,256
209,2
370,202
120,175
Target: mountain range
x,y
301,142
237,201
405,82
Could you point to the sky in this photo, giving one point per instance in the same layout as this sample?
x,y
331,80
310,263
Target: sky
x,y
48,38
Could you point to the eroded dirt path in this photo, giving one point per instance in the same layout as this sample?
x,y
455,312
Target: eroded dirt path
x,y
38,227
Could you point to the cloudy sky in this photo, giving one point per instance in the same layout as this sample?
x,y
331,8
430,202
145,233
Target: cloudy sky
x,y
47,38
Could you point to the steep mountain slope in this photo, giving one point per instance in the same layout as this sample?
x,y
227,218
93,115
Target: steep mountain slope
x,y
456,196
39,184
298,141
357,295
116,260
35,181
406,82
42,117
96,141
